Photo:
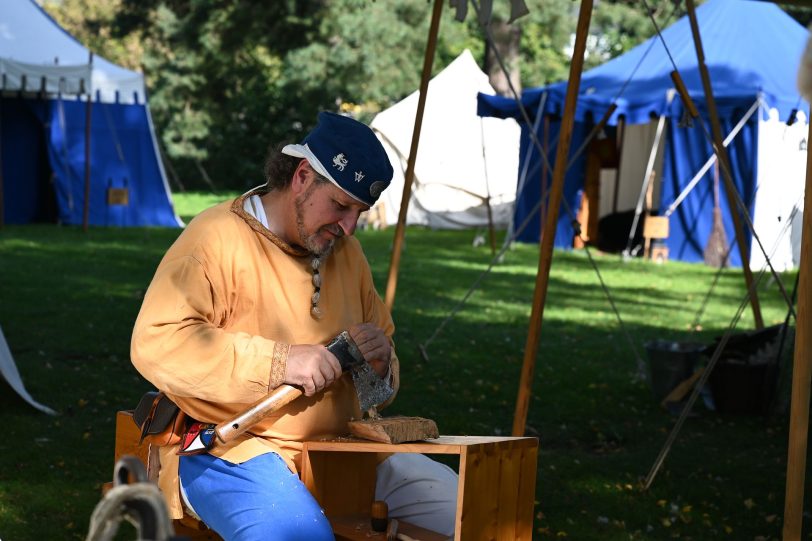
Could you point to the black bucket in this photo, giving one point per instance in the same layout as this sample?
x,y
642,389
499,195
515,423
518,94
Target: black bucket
x,y
670,363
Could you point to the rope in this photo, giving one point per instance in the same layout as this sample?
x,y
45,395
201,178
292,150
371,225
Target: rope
x,y
739,203
117,506
595,130
745,301
140,503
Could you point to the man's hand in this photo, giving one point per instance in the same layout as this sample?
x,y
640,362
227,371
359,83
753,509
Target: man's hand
x,y
312,368
374,345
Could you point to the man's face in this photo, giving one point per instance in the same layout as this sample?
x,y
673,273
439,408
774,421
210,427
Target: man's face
x,y
325,213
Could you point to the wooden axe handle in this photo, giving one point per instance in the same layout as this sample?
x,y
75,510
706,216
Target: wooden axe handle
x,y
281,396
679,392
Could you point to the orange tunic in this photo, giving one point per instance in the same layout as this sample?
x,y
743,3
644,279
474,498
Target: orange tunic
x,y
216,323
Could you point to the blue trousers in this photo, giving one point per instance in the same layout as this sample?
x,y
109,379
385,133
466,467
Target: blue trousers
x,y
257,500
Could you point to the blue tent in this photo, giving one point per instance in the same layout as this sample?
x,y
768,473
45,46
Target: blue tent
x,y
752,51
46,78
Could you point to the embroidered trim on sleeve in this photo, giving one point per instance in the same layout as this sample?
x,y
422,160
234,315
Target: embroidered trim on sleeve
x,y
278,364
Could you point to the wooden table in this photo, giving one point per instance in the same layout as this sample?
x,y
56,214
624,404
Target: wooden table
x,y
495,494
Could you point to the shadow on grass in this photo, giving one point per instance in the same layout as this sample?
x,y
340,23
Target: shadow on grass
x,y
69,301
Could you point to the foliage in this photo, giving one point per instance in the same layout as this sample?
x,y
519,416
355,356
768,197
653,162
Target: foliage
x,y
227,79
599,427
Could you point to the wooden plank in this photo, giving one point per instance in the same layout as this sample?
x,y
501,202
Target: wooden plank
x,y
397,429
444,445
478,513
507,490
526,493
342,483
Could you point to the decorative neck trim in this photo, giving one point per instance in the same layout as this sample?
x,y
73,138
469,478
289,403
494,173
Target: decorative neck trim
x,y
253,223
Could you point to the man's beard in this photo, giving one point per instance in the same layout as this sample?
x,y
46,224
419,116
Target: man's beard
x,y
312,242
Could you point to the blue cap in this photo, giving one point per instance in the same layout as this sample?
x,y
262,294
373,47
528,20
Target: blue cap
x,y
347,153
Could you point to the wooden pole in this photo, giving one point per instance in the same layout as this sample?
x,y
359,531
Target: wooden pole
x,y
400,229
88,109
721,155
548,234
545,145
801,374
621,132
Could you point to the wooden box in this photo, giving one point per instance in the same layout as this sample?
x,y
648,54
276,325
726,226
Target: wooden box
x,y
118,196
496,490
655,227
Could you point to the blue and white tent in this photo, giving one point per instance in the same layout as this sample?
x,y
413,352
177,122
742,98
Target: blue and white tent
x,y
46,75
752,50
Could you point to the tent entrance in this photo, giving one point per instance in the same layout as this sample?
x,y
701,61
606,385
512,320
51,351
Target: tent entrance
x,y
622,181
602,165
28,187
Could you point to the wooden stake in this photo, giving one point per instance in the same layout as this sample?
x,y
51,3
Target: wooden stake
x,y
88,109
801,374
548,235
400,229
724,162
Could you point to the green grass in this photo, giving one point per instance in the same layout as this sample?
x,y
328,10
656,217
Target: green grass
x,y
68,301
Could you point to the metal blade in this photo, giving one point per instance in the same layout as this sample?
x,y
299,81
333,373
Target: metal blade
x,y
370,388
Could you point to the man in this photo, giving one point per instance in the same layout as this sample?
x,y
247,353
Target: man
x,y
243,302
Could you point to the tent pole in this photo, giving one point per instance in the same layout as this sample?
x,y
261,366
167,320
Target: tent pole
x,y
801,374
545,145
620,138
88,109
400,229
491,228
652,157
548,236
724,162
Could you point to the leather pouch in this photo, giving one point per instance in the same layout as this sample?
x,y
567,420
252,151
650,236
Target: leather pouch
x,y
161,422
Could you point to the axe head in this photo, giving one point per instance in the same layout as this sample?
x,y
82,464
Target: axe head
x,y
371,389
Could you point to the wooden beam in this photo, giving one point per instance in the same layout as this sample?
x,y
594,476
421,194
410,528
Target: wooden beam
x,y
724,162
548,234
400,229
801,374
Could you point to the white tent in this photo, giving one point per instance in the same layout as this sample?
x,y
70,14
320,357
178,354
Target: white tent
x,y
9,372
462,160
35,51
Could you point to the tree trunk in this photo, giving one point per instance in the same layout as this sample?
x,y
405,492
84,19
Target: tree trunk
x,y
506,43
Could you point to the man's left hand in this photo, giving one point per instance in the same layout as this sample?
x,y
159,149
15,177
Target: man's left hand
x,y
374,346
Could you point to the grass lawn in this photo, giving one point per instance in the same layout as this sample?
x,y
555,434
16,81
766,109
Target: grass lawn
x,y
68,301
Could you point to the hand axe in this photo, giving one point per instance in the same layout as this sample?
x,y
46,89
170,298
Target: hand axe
x,y
370,388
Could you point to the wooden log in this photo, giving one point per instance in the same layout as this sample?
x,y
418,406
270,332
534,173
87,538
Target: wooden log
x,y
395,429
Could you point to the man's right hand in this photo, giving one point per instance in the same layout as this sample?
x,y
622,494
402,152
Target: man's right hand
x,y
313,368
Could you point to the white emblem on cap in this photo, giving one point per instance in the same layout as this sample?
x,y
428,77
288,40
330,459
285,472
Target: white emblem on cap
x,y
339,161
359,176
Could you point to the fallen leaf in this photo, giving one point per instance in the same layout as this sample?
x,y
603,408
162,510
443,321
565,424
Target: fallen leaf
x,y
749,503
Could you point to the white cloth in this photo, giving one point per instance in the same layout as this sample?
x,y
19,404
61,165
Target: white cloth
x,y
253,206
419,490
